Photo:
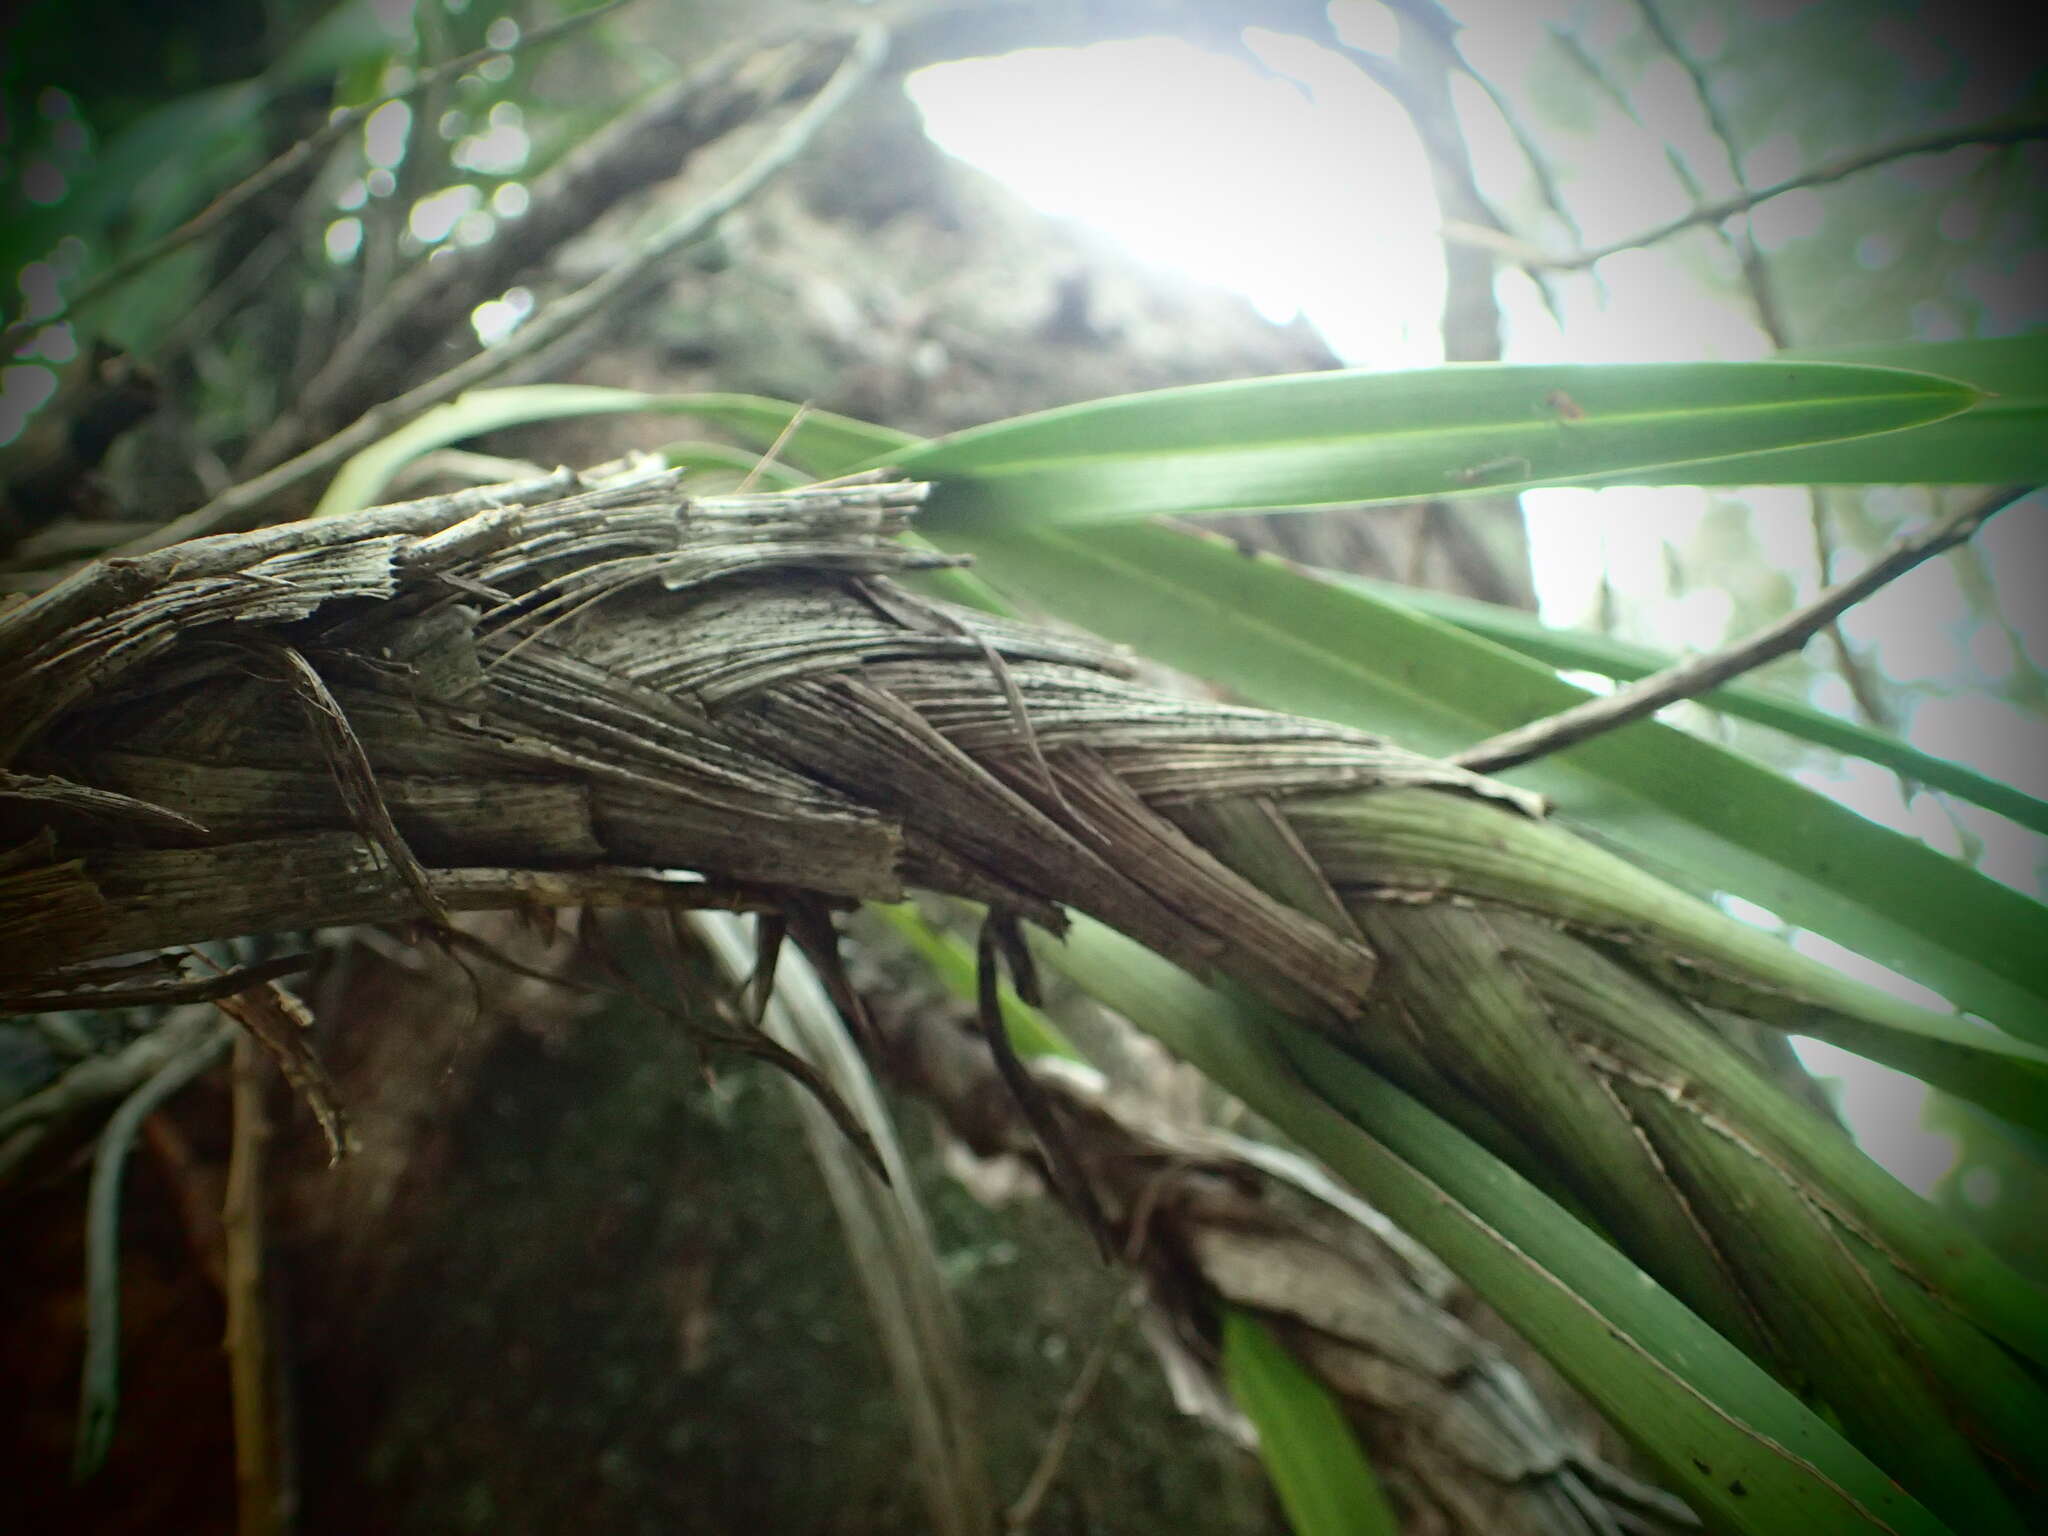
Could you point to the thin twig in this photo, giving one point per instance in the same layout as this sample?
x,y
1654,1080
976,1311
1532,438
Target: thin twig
x,y
1835,170
261,181
263,1475
99,1394
782,438
385,219
282,1025
248,276
557,319
1863,688
1691,678
654,139
98,1078
1770,315
1540,170
202,989
1741,243
1019,1516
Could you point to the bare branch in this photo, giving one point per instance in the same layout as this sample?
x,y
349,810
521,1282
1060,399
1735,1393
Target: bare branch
x,y
283,1027
1017,1519
1691,678
265,1474
2021,132
299,155
653,141
1770,313
201,989
556,320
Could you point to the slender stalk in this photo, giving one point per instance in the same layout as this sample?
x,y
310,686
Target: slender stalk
x,y
2021,132
99,1392
1700,674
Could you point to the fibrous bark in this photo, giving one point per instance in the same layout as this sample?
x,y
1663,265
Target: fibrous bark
x,y
531,697
560,700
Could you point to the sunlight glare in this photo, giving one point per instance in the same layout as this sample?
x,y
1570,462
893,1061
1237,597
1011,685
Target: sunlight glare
x,y
1309,196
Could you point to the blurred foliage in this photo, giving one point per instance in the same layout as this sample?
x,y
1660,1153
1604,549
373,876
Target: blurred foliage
x,y
114,131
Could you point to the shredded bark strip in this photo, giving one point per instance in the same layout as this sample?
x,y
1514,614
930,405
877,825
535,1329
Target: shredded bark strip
x,y
561,692
728,685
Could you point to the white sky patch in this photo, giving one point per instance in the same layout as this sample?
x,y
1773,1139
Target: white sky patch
x,y
1885,1107
344,238
384,134
1311,198
23,387
435,216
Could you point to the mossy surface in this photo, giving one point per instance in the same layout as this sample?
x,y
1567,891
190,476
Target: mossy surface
x,y
628,1308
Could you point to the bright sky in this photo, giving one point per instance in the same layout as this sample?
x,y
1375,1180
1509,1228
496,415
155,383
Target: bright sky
x,y
1303,197
1311,195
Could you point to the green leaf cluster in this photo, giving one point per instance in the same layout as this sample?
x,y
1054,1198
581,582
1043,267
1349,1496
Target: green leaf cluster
x,y
1063,512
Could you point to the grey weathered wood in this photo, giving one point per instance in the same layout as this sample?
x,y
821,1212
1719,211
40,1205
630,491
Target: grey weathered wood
x,y
553,689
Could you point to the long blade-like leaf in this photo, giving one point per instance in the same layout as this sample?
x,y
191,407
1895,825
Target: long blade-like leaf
x,y
2001,440
1307,440
1678,805
1324,1481
1739,1446
822,442
888,1236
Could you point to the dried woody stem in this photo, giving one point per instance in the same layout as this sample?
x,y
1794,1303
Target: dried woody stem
x,y
552,322
565,693
266,1493
1701,674
200,989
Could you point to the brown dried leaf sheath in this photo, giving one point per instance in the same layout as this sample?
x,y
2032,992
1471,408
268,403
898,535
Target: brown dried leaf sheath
x,y
659,684
565,694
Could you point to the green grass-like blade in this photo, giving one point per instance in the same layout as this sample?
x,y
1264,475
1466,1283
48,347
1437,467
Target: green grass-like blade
x,y
1324,1481
1728,1419
1420,838
1738,1445
1308,440
2000,440
822,442
1585,651
736,464
1680,806
1031,1033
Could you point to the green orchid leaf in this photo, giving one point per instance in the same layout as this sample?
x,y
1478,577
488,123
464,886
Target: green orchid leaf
x,y
1679,806
1325,439
823,442
1324,1481
2001,440
1739,1446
